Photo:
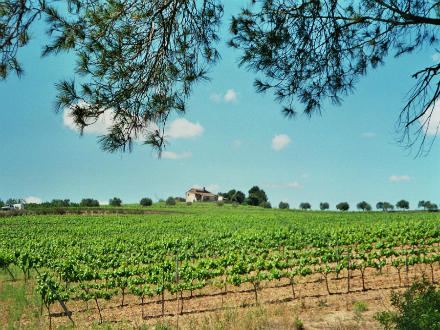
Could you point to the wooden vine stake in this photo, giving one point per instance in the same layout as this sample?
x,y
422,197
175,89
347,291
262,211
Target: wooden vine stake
x,y
337,257
406,266
163,289
348,269
177,285
10,274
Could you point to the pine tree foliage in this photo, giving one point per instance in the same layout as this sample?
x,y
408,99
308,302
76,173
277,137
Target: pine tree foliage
x,y
138,61
312,51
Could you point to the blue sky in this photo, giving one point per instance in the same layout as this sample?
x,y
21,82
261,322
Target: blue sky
x,y
231,137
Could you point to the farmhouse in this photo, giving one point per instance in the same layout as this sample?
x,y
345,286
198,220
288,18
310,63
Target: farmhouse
x,y
19,206
201,195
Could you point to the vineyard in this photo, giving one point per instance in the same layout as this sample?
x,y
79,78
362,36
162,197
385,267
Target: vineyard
x,y
205,257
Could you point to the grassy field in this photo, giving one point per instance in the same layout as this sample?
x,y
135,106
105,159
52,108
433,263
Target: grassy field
x,y
208,266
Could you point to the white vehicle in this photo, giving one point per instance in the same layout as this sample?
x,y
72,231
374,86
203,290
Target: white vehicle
x,y
7,207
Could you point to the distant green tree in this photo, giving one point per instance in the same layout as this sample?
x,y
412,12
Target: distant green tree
x,y
364,206
387,206
146,201
89,202
431,207
171,201
11,201
324,206
343,206
256,196
305,206
115,201
238,197
384,206
402,204
2,203
283,205
60,202
422,204
266,205
230,194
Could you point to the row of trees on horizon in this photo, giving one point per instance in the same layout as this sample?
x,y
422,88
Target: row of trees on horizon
x,y
256,197
364,206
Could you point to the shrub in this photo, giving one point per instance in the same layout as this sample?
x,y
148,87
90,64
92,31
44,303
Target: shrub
x,y
115,201
283,205
171,201
360,307
220,203
59,210
299,325
146,201
417,308
189,203
234,204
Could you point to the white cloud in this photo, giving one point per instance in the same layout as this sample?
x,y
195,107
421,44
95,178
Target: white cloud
x,y
304,176
102,124
237,143
397,178
173,155
431,125
230,96
271,185
292,184
213,187
280,141
368,134
435,57
216,97
183,129
98,127
178,129
33,200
